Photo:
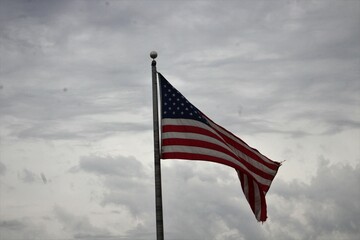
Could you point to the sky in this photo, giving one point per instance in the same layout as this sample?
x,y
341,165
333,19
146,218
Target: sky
x,y
76,140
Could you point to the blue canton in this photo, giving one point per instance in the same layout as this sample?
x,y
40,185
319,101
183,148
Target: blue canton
x,y
175,105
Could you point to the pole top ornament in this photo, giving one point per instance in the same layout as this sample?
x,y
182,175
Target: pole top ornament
x,y
153,54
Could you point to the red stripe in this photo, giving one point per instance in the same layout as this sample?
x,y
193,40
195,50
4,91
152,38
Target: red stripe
x,y
251,197
263,214
204,144
241,177
196,143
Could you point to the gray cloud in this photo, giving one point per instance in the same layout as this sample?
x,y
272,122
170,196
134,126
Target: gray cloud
x,y
126,179
58,130
323,209
2,169
333,122
126,167
13,225
263,54
79,226
209,196
21,228
27,176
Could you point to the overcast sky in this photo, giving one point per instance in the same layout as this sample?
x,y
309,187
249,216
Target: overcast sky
x,y
76,147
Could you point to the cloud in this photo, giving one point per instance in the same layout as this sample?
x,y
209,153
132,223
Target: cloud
x,y
125,167
59,130
13,225
125,178
127,187
27,176
79,226
2,169
22,228
325,208
209,196
245,57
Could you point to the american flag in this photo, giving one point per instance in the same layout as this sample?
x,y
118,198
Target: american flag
x,y
188,134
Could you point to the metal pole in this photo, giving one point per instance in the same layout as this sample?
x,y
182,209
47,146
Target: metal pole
x,y
157,167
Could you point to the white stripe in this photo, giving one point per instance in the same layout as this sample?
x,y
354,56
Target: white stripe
x,y
189,122
183,121
211,152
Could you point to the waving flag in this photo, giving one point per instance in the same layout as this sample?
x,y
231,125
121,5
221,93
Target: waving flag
x,y
188,134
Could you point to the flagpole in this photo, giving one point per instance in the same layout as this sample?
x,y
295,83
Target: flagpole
x,y
157,167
